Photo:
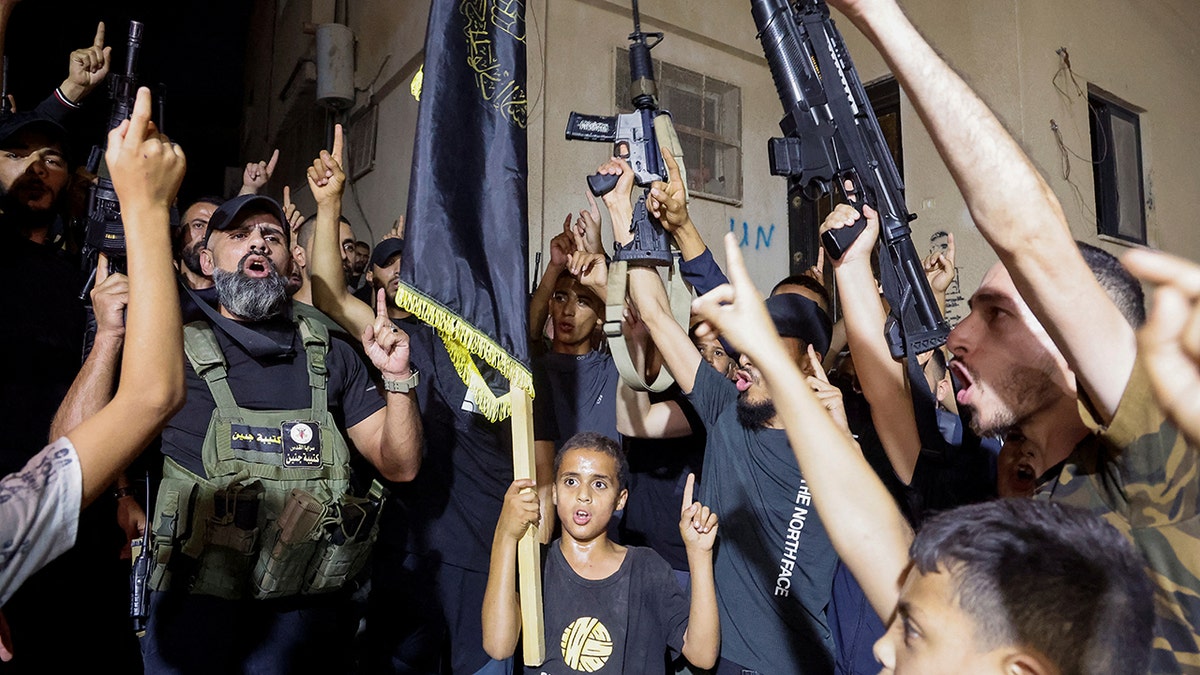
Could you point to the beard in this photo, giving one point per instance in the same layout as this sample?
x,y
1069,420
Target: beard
x,y
754,414
1022,392
17,211
190,257
251,299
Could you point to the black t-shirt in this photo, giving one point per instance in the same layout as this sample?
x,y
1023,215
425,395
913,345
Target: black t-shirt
x,y
622,624
574,394
774,562
658,471
449,511
270,383
42,339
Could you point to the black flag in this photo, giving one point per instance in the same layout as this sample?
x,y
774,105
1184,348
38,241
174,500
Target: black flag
x,y
465,251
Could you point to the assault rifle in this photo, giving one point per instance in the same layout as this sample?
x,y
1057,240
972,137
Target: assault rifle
x,y
637,137
831,138
105,232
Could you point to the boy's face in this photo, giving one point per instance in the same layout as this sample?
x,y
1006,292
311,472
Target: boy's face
x,y
931,634
576,313
586,493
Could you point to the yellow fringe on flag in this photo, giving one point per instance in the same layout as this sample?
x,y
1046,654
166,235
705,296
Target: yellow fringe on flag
x,y
462,340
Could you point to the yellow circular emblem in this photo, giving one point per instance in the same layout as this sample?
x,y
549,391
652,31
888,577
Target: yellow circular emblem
x,y
586,645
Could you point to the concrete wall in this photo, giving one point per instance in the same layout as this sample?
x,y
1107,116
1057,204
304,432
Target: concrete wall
x,y
1144,53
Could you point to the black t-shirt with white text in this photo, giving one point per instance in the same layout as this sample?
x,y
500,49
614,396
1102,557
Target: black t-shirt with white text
x,y
774,562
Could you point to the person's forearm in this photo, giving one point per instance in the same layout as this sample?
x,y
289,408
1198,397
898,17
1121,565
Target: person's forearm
x,y
883,379
152,384
702,640
689,241
400,447
650,298
501,603
1030,233
987,164
329,291
864,524
92,388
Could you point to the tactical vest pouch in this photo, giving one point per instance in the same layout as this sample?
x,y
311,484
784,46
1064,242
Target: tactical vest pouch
x,y
288,547
346,545
176,498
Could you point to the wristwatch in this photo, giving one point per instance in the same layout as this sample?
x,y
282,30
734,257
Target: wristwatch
x,y
402,386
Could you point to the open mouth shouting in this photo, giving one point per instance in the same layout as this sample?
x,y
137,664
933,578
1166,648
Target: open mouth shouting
x,y
256,266
965,380
581,517
744,380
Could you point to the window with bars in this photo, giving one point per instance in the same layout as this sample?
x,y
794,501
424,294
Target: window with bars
x,y
708,119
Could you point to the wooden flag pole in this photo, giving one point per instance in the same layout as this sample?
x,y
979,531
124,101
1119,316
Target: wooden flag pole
x,y
529,559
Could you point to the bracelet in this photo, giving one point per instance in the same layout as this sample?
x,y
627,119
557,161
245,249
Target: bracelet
x,y
122,492
402,386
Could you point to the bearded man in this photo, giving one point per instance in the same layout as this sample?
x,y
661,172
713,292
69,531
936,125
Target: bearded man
x,y
258,463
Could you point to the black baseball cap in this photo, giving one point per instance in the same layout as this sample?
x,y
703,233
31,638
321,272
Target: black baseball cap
x,y
797,316
385,249
30,121
226,215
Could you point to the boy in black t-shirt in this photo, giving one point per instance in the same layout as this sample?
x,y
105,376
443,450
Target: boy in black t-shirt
x,y
608,608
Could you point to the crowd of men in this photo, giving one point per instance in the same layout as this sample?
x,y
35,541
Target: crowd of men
x,y
295,463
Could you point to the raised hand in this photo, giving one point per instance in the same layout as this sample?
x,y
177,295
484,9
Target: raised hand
x,y
109,296
697,523
617,200
521,509
845,215
397,231
87,67
290,211
257,174
735,311
385,344
829,395
668,201
939,267
325,177
817,271
145,166
1169,342
588,225
591,269
562,246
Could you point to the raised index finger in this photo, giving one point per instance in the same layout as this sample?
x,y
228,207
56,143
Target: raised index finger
x,y
98,41
738,276
950,248
139,121
381,304
687,492
818,369
672,165
273,160
337,144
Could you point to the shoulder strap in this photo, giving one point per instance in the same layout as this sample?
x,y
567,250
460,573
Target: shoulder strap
x,y
200,345
315,336
680,299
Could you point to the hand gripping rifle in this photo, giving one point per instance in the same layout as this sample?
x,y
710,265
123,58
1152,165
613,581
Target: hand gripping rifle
x,y
105,232
637,137
831,137
832,141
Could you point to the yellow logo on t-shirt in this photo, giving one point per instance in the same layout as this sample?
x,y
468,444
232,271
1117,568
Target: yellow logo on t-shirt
x,y
586,645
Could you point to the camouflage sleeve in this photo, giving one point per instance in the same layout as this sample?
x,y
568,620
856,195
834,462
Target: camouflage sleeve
x,y
1159,476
